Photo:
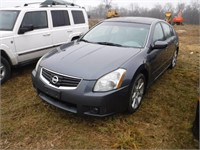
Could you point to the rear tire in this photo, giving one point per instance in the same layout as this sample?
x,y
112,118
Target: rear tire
x,y
174,59
5,70
136,93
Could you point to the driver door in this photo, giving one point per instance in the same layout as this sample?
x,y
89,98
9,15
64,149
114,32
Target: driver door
x,y
157,57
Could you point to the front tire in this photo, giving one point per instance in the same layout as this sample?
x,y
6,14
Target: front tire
x,y
5,70
136,93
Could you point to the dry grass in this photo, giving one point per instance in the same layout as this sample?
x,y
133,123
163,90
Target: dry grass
x,y
164,120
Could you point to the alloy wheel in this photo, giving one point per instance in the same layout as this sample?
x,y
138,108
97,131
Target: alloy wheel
x,y
174,59
137,93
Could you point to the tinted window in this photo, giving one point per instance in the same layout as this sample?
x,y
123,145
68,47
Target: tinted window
x,y
60,18
7,19
167,30
158,33
78,16
172,31
37,18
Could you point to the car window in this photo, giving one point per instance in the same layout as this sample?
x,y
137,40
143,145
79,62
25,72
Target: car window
x,y
8,18
172,31
78,17
37,18
60,18
122,33
158,33
167,30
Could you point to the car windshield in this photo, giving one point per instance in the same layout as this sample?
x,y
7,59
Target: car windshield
x,y
7,19
119,34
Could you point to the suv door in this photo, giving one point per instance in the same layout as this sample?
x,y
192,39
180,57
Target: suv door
x,y
61,27
35,43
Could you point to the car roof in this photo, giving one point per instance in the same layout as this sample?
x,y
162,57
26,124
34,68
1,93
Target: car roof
x,y
143,20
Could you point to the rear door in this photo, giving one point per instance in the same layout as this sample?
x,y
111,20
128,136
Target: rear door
x,y
61,27
80,22
33,44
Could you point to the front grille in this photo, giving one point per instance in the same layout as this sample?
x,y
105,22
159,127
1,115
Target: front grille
x,y
61,80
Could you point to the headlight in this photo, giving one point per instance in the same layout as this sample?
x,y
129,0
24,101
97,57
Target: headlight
x,y
38,63
110,81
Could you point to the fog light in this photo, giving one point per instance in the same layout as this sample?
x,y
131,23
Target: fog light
x,y
95,110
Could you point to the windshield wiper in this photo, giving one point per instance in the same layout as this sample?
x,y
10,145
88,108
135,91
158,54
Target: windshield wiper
x,y
110,44
85,40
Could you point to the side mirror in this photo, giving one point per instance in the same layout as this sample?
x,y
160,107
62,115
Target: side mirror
x,y
25,28
159,45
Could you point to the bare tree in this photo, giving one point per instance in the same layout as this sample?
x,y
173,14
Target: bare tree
x,y
168,7
107,3
192,13
180,6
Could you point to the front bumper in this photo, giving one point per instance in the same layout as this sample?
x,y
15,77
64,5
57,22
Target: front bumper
x,y
83,100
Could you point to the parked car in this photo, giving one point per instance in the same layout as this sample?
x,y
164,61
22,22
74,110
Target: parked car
x,y
28,32
109,68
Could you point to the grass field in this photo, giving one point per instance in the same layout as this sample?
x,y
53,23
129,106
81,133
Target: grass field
x,y
163,121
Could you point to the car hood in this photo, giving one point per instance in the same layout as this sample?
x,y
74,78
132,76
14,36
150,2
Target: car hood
x,y
86,60
4,34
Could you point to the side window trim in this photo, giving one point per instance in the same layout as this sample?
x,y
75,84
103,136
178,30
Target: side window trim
x,y
159,23
78,17
165,38
47,26
162,23
64,23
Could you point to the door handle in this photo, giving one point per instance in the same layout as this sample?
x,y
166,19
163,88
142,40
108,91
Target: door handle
x,y
69,31
48,34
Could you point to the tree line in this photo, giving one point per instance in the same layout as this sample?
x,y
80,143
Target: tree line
x,y
190,12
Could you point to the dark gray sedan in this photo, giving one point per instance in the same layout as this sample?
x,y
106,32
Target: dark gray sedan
x,y
109,68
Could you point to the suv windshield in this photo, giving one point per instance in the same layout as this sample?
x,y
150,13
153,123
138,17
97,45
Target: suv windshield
x,y
8,18
119,34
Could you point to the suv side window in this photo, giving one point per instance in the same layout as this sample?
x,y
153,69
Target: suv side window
x,y
36,18
167,30
78,17
60,18
158,33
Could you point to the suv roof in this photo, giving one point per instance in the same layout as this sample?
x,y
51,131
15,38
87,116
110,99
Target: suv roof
x,y
46,4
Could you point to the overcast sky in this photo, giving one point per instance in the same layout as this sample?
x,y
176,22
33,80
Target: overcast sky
x,y
87,3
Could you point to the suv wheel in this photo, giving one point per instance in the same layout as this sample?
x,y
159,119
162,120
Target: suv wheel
x,y
5,70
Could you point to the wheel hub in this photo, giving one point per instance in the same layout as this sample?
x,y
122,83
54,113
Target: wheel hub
x,y
174,59
138,92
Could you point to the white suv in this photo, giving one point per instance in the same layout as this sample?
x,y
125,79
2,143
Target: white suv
x,y
28,32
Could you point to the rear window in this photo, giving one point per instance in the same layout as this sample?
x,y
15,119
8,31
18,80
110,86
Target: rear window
x,y
78,17
60,18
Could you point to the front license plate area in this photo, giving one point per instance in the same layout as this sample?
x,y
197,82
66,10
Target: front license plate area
x,y
52,93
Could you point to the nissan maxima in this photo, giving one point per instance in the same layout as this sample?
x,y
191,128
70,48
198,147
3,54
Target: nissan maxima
x,y
108,69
